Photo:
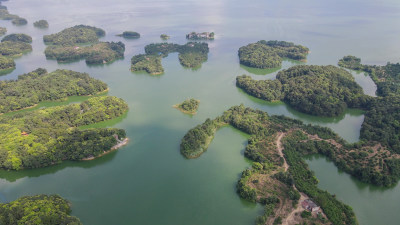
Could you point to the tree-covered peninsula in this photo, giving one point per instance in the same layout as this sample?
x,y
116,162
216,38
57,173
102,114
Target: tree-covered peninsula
x,y
188,106
38,209
41,24
79,34
15,19
99,53
316,90
191,54
49,136
37,86
17,37
269,54
6,63
279,178
129,34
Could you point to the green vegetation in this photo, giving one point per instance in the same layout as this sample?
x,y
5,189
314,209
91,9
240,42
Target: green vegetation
x,y
39,85
19,21
149,63
99,53
41,24
18,37
200,36
386,78
317,90
164,37
3,31
14,49
79,34
129,34
48,136
189,106
6,63
265,182
191,54
269,54
5,15
38,209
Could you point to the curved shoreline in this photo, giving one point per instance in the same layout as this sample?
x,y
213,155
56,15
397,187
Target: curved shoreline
x,y
113,148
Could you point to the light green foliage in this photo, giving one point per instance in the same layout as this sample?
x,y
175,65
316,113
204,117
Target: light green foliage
x,y
47,136
18,37
41,24
149,63
3,31
12,49
164,37
39,85
189,105
102,52
6,63
78,34
38,209
269,54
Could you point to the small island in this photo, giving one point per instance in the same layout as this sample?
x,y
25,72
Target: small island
x,y
19,21
3,31
189,106
164,37
129,35
6,64
41,24
79,34
38,209
18,37
14,48
200,36
149,63
269,54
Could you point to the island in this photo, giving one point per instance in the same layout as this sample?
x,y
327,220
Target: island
x,y
99,53
129,34
189,106
164,37
19,21
3,31
45,137
316,90
6,64
200,36
37,86
18,37
191,54
79,34
14,48
41,24
269,54
38,209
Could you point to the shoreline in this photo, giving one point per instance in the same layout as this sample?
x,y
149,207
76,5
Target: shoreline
x,y
113,148
184,111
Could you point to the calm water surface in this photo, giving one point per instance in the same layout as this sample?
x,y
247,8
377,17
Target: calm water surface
x,y
148,181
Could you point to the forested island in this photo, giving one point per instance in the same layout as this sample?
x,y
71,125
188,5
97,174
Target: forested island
x,y
13,45
200,36
38,209
15,19
79,34
188,106
17,37
41,24
14,48
316,90
99,53
129,34
164,37
191,54
269,54
19,21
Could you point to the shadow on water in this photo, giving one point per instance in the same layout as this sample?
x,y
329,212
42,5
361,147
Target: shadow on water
x,y
258,71
107,123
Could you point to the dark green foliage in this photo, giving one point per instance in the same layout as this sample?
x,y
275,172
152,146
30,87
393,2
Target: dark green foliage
x,y
243,189
305,214
3,31
189,105
200,36
99,53
78,34
269,54
38,209
196,140
41,24
39,85
6,63
19,21
317,90
5,15
18,37
149,63
129,34
11,48
47,136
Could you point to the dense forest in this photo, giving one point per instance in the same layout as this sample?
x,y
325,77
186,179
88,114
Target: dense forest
x,y
79,34
266,176
316,90
191,54
189,106
14,48
6,63
99,53
48,136
36,86
41,24
129,34
38,209
18,37
269,54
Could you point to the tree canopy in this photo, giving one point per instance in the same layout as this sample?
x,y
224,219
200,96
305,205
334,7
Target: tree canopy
x,y
78,34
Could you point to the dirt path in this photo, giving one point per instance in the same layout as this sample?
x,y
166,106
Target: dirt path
x,y
289,220
280,149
